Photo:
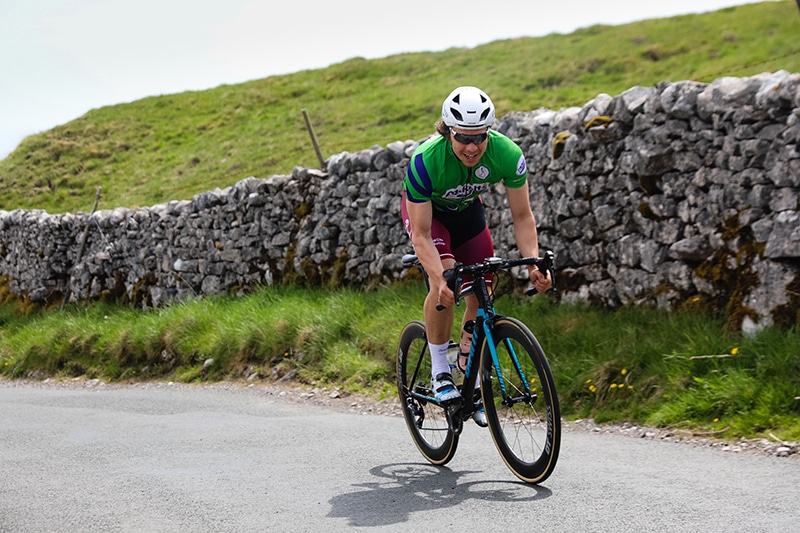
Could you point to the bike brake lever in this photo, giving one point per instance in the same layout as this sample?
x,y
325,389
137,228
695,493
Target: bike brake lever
x,y
548,261
551,268
453,278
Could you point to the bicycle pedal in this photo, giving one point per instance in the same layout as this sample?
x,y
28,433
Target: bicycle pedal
x,y
453,406
454,421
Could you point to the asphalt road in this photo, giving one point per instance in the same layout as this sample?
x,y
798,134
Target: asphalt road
x,y
185,459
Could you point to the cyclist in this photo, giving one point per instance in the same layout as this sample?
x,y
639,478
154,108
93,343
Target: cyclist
x,y
444,217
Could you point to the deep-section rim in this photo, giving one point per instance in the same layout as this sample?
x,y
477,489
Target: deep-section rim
x,y
508,436
442,450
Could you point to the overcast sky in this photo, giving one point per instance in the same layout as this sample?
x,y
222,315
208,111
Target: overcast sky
x,y
61,58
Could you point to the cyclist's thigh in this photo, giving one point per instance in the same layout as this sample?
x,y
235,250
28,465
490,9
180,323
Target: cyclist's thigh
x,y
475,250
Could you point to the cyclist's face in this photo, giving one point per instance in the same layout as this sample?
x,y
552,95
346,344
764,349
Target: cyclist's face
x,y
469,153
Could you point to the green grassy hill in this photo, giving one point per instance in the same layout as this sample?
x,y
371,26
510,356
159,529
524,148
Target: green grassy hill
x,y
171,147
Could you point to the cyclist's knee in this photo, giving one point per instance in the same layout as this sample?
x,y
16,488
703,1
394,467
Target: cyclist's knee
x,y
472,305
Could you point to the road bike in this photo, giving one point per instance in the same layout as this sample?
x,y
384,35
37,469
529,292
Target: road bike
x,y
516,387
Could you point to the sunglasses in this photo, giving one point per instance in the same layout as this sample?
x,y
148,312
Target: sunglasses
x,y
463,138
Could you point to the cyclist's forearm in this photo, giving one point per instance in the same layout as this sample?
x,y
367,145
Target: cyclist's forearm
x,y
528,241
524,222
527,237
429,257
421,217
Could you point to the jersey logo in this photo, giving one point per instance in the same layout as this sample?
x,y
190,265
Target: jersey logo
x,y
522,165
482,172
465,191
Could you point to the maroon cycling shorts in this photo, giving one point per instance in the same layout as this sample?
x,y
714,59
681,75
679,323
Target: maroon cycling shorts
x,y
462,236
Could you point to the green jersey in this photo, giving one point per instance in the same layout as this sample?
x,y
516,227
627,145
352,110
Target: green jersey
x,y
435,174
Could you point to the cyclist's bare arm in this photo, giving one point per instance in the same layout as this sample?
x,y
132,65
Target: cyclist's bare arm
x,y
525,233
421,215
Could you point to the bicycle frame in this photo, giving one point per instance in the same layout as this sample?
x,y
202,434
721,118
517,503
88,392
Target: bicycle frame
x,y
482,332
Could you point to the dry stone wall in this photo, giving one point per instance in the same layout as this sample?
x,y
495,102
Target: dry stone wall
x,y
679,194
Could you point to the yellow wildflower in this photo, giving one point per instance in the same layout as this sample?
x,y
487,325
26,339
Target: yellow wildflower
x,y
624,371
735,350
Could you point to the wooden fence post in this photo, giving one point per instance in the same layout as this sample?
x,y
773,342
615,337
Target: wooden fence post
x,y
310,129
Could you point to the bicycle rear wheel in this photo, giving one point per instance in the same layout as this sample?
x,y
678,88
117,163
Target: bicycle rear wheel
x,y
425,420
520,401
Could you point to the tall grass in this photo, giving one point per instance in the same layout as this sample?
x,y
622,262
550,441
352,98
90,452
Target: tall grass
x,y
339,337
670,369
637,364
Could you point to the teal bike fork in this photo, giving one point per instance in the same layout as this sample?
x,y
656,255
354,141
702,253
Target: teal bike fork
x,y
508,400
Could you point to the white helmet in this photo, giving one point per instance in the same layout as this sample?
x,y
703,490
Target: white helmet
x,y
468,108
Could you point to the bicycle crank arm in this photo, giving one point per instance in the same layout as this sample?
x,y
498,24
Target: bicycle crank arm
x,y
454,421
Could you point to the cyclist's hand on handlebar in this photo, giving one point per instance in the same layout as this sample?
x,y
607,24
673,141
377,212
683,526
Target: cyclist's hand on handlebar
x,y
447,289
541,280
446,297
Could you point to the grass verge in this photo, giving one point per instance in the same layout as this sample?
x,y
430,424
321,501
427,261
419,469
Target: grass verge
x,y
680,369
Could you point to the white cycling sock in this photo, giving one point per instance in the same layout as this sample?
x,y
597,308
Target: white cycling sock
x,y
439,362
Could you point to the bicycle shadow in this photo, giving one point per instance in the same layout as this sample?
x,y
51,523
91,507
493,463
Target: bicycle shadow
x,y
415,487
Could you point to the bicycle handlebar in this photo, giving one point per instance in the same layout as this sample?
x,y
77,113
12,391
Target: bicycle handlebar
x,y
493,264
489,265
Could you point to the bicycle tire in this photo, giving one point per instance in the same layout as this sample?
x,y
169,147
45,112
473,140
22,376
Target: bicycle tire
x,y
426,421
528,432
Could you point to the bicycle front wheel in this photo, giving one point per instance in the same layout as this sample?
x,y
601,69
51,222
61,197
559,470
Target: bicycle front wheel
x,y
520,399
425,419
